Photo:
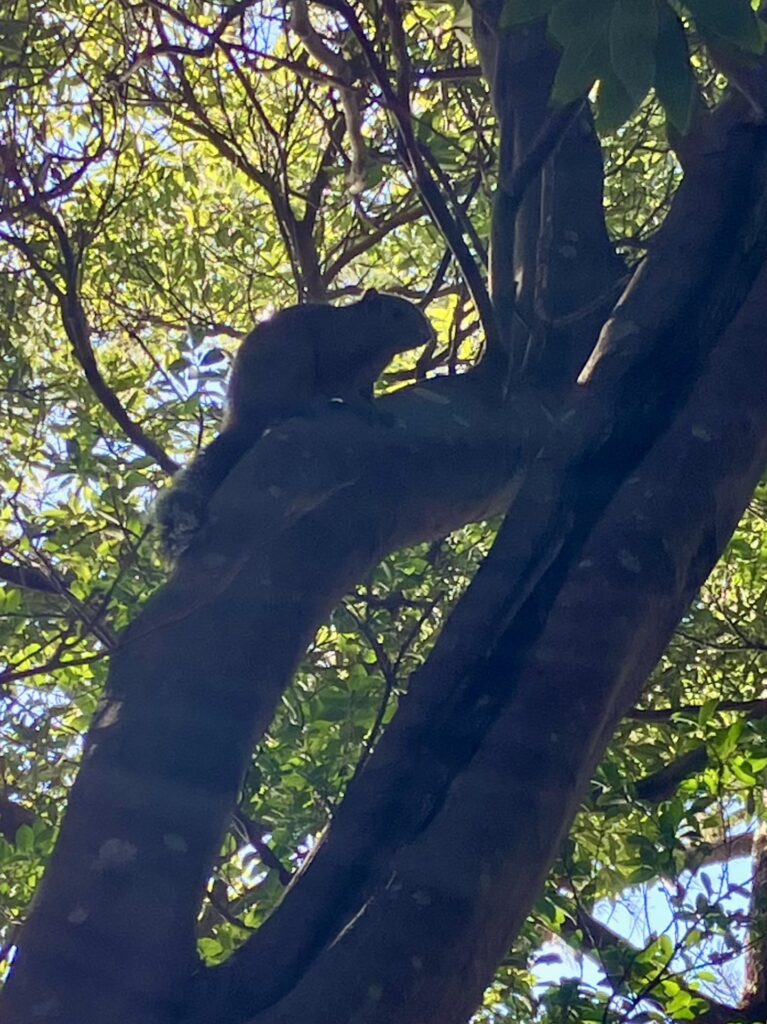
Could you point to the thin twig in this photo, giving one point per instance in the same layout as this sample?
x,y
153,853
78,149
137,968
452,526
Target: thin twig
x,y
77,329
430,193
754,709
254,832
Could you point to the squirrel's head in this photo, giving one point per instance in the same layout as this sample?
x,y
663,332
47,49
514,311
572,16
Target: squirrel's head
x,y
399,321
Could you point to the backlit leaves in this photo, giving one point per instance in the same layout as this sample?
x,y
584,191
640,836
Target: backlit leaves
x,y
634,46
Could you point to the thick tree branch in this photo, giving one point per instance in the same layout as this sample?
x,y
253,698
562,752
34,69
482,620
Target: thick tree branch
x,y
663,784
167,753
385,804
551,254
660,331
457,892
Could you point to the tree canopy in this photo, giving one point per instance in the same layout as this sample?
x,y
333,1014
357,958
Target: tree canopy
x,y
429,694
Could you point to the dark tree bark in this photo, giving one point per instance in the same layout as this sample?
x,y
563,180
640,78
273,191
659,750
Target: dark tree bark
x,y
625,489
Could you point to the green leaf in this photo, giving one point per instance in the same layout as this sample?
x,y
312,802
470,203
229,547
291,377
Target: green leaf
x,y
675,84
615,104
633,35
579,67
728,741
740,771
25,839
574,20
209,948
519,12
582,32
707,710
734,21
680,1002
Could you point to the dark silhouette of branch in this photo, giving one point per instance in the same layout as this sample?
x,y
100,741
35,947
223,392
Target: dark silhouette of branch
x,y
12,816
213,36
471,71
752,708
597,939
254,832
78,331
378,233
427,187
49,581
663,784
14,675
27,577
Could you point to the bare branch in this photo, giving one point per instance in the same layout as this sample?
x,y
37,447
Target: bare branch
x,y
301,24
753,709
426,185
597,939
78,331
663,784
27,577
407,215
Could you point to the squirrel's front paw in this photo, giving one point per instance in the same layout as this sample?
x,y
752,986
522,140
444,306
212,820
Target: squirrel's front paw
x,y
179,515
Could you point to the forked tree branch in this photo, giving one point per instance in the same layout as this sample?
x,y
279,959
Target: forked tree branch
x,y
76,326
544,529
430,193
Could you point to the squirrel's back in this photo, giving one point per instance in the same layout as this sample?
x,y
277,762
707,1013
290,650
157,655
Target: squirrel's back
x,y
285,365
321,351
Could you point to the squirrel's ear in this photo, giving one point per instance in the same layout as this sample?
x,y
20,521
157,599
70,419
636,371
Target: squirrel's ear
x,y
370,293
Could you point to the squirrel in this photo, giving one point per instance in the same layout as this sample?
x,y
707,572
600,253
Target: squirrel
x,y
301,358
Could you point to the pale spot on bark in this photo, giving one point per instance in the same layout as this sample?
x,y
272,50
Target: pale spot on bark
x,y
110,715
629,561
114,853
430,396
47,1009
175,842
